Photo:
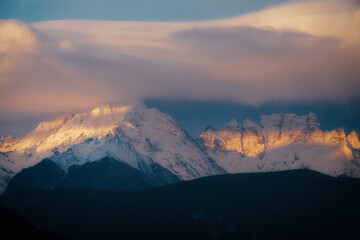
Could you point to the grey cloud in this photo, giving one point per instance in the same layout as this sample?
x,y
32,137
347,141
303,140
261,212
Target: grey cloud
x,y
262,65
235,42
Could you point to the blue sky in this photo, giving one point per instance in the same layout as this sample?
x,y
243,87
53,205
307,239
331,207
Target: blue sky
x,y
137,10
194,117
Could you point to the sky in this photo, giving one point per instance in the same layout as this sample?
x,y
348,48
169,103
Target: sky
x,y
66,56
136,10
195,117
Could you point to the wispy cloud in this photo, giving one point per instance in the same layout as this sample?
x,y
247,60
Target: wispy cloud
x,y
284,53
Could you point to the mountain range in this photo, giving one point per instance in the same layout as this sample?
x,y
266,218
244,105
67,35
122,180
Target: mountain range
x,y
132,147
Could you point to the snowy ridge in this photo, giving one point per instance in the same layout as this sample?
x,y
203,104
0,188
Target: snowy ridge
x,y
132,134
283,142
153,143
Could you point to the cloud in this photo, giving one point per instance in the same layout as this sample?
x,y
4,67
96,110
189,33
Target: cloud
x,y
73,65
235,42
16,41
16,37
261,65
336,18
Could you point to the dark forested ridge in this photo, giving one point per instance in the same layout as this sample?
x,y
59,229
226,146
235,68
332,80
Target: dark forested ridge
x,y
15,227
298,204
105,174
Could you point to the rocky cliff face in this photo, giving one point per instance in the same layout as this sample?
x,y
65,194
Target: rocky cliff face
x,y
282,142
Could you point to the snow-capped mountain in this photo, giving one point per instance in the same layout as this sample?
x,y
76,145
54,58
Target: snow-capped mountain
x,y
142,138
283,142
157,149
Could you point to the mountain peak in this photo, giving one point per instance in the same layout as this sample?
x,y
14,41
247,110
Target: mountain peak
x,y
142,138
284,141
106,110
250,125
210,128
155,144
233,126
116,108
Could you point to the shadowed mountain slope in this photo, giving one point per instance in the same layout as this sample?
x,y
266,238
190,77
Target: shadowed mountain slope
x,y
298,204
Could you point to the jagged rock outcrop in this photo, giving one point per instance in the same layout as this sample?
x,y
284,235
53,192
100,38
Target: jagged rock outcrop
x,y
284,141
253,141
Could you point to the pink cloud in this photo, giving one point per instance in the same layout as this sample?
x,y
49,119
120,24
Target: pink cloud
x,y
72,65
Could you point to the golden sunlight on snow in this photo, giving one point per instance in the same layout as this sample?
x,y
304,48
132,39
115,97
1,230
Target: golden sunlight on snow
x,y
353,140
254,144
107,110
99,123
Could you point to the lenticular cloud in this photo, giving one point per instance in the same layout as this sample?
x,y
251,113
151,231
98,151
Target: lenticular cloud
x,y
248,59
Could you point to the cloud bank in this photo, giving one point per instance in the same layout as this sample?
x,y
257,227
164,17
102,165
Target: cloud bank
x,y
303,51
